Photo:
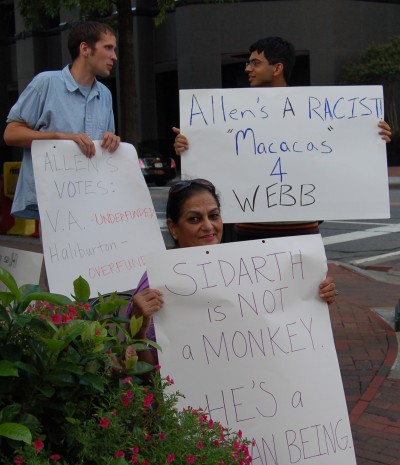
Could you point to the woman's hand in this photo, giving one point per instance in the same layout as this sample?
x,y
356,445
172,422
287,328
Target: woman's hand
x,y
327,290
145,304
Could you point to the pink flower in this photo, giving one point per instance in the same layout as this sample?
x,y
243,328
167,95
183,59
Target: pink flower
x,y
157,367
210,424
127,380
104,422
38,444
56,319
55,457
128,394
169,380
147,437
120,454
190,459
145,462
135,449
134,459
170,458
240,434
114,412
200,445
162,436
125,401
18,460
148,400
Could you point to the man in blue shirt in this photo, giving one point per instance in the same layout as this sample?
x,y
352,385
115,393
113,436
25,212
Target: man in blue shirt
x,y
65,105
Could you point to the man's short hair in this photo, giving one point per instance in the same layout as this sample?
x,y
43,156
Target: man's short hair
x,y
277,50
89,32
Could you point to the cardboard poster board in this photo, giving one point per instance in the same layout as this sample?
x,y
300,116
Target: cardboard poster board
x,y
289,154
246,337
97,216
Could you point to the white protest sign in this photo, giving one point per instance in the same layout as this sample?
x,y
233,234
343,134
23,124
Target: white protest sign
x,y
97,216
289,153
25,266
245,336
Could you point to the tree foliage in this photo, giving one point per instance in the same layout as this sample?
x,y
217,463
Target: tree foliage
x,y
380,64
33,10
164,6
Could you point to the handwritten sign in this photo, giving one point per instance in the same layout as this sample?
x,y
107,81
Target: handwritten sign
x,y
246,337
289,154
97,216
25,266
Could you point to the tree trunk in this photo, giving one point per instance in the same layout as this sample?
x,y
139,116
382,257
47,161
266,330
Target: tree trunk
x,y
127,81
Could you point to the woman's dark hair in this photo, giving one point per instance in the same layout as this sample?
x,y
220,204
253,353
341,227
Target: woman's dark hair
x,y
89,32
182,191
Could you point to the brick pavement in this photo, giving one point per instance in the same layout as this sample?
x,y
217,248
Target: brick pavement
x,y
367,349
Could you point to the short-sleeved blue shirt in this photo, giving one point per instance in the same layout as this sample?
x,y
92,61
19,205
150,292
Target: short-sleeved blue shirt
x,y
53,102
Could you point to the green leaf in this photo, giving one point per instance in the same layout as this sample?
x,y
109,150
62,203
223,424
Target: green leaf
x,y
55,346
108,308
6,298
135,325
141,368
154,344
29,289
4,315
98,348
69,367
47,390
81,289
8,368
11,284
9,412
30,421
26,367
71,420
131,362
16,431
90,379
61,378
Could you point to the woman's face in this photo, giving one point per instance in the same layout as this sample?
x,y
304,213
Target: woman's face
x,y
200,222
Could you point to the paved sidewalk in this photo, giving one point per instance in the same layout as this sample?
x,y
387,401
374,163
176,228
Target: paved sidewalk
x,y
367,349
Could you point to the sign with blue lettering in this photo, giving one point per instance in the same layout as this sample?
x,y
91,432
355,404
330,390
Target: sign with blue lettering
x,y
97,216
289,153
246,337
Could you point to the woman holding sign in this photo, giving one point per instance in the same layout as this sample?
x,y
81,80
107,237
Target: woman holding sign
x,y
193,219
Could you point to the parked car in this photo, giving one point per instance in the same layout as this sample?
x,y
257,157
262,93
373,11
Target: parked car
x,y
156,167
